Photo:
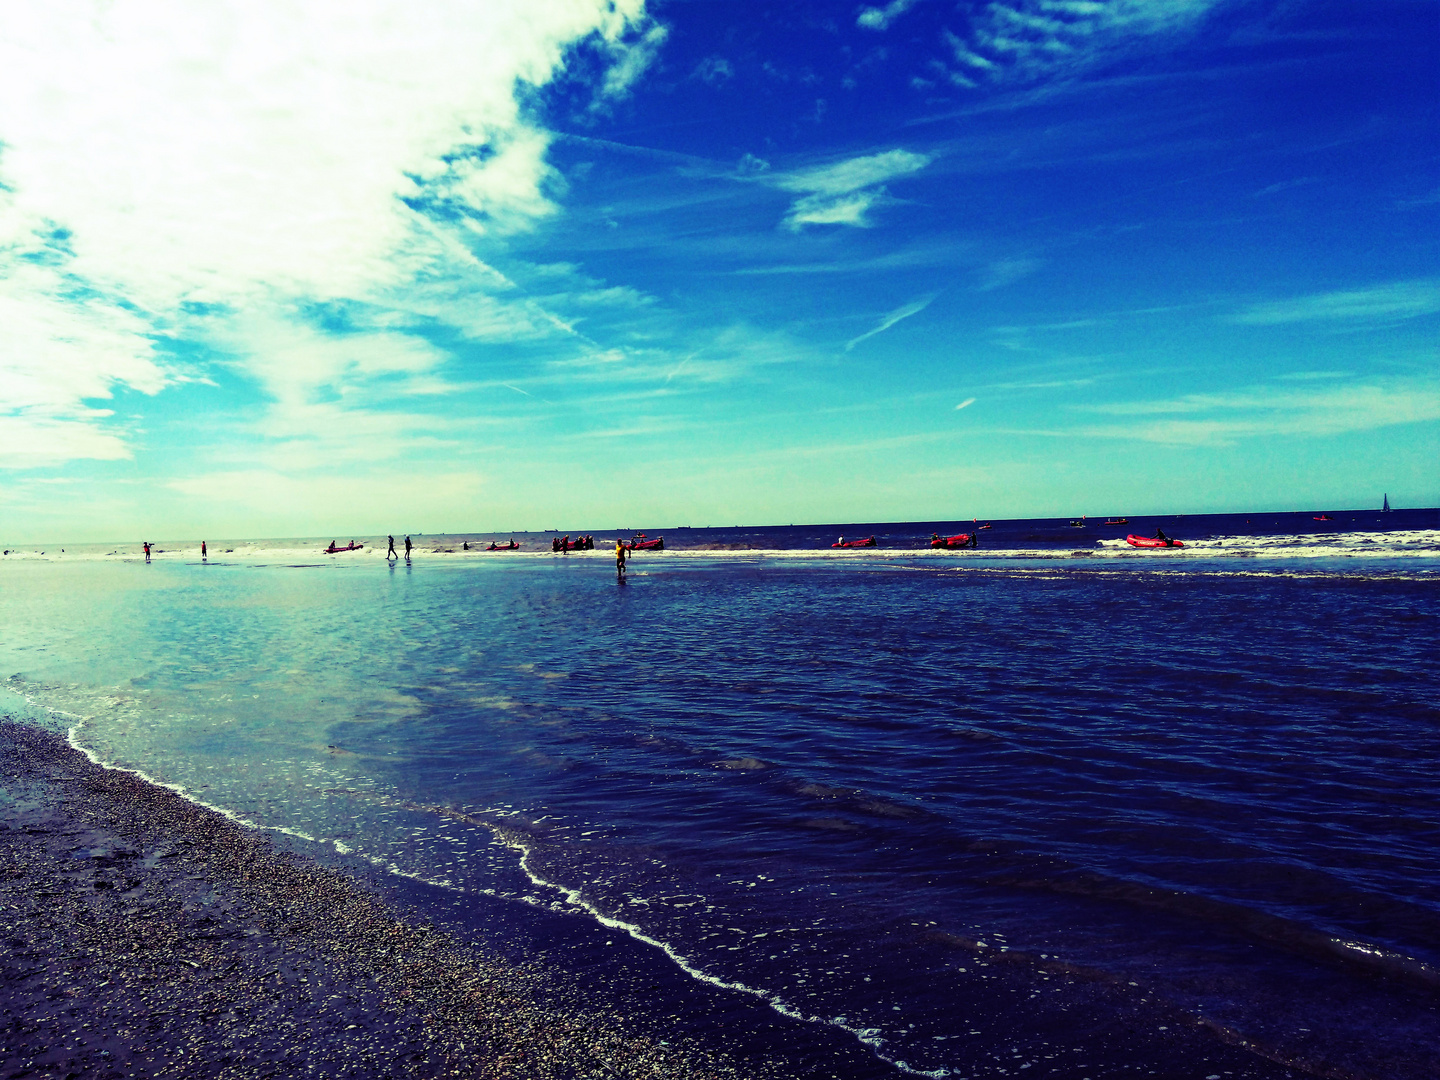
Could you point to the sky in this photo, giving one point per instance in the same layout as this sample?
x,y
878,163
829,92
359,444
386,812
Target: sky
x,y
277,269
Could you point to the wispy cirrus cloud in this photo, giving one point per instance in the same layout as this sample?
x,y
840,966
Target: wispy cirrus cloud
x,y
1004,272
1224,419
900,313
1380,303
714,70
843,192
1028,40
854,173
1431,198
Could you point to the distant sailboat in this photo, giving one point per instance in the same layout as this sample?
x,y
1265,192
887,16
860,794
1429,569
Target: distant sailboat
x,y
1385,509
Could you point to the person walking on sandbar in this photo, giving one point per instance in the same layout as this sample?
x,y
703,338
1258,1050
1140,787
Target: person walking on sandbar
x,y
407,549
392,552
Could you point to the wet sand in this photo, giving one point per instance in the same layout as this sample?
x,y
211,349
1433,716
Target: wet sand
x,y
144,935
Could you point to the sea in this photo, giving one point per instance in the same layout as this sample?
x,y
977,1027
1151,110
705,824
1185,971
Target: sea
x,y
1050,806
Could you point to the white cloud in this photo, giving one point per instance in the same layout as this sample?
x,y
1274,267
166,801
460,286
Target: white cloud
x,y
903,312
29,441
632,59
847,209
504,192
182,166
59,349
852,174
1383,303
296,364
876,18
842,192
964,55
965,404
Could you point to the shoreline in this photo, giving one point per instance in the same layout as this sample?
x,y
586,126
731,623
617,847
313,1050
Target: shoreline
x,y
147,935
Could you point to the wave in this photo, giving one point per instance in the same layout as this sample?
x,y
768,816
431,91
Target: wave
x,y
298,554
1412,542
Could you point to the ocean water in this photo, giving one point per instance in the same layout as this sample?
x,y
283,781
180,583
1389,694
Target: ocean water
x,y
1049,807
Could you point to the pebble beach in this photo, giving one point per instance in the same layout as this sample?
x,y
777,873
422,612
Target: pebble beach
x,y
148,936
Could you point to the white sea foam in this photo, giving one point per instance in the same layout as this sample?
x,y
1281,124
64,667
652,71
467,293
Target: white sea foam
x,y
1421,543
387,865
297,554
870,1037
72,737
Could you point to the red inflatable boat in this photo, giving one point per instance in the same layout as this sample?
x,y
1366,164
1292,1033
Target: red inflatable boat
x,y
1151,542
642,544
869,541
959,540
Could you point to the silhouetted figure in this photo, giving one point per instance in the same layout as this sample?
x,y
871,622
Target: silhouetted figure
x,y
392,553
407,549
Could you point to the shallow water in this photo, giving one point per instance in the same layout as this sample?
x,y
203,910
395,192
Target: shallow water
x,y
1052,805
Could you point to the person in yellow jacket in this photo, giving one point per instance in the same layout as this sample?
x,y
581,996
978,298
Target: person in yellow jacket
x,y
620,559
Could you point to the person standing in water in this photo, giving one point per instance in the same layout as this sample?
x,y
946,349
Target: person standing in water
x,y
146,545
407,549
619,559
203,554
392,553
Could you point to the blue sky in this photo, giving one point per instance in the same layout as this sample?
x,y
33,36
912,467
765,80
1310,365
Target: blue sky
x,y
514,265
